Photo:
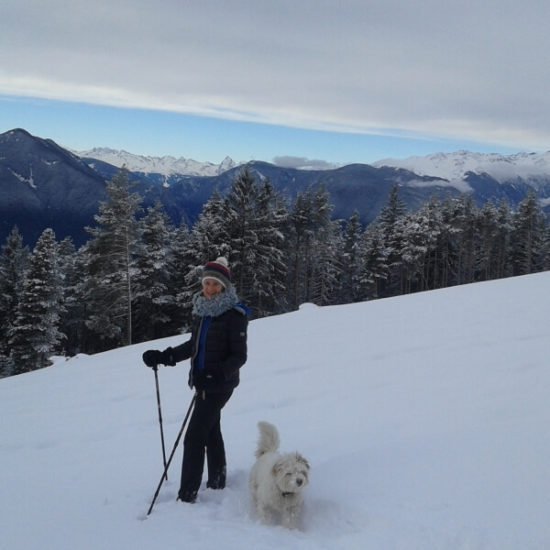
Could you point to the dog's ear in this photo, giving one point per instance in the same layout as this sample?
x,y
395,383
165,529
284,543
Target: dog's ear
x,y
302,460
277,467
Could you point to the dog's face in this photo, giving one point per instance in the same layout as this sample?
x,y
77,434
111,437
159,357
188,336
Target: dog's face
x,y
291,473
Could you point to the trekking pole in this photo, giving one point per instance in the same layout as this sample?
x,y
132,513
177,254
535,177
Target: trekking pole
x,y
164,474
155,368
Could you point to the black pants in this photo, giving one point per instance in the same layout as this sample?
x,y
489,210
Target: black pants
x,y
203,436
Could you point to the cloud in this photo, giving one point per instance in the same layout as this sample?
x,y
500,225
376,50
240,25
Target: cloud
x,y
474,71
303,163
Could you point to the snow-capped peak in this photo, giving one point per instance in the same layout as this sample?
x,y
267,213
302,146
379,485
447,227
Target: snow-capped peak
x,y
454,166
166,165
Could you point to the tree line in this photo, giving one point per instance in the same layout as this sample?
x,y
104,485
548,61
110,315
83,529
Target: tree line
x,y
133,279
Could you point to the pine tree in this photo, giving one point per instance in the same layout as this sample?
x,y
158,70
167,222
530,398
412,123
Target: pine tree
x,y
412,252
271,217
465,236
429,246
111,255
350,287
488,243
389,223
528,237
327,265
503,241
76,305
391,213
255,218
153,301
13,266
184,269
374,268
309,222
35,335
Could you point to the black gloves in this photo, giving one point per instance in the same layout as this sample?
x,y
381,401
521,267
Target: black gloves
x,y
153,358
168,357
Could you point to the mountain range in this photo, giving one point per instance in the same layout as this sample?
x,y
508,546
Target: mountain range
x,y
45,185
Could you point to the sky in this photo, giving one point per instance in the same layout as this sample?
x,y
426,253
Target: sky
x,y
333,81
424,429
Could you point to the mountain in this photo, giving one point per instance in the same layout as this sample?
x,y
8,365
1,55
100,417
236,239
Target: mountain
x,y
165,166
43,185
423,418
457,168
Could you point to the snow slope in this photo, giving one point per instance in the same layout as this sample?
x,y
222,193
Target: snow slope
x,y
425,419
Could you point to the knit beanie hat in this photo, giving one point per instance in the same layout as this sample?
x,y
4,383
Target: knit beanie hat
x,y
219,271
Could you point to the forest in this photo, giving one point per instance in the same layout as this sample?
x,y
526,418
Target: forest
x,y
133,279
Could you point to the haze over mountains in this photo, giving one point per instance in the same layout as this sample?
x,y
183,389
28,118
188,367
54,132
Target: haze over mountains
x,y
45,185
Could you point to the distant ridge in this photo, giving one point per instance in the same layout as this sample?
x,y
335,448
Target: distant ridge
x,y
44,185
166,165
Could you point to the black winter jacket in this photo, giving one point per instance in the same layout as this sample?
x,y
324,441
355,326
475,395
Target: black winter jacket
x,y
225,351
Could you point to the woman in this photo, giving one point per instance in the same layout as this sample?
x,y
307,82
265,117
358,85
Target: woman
x,y
218,349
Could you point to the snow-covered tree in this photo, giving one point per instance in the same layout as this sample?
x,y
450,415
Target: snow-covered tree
x,y
111,253
465,236
152,299
351,260
374,268
390,226
13,266
326,272
528,237
309,221
35,335
255,215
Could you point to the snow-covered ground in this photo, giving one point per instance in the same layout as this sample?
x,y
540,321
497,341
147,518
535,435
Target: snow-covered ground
x,y
425,419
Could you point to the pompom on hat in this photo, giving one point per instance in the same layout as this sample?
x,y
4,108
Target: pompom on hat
x,y
219,271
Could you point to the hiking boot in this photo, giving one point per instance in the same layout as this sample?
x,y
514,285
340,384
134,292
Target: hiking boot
x,y
187,496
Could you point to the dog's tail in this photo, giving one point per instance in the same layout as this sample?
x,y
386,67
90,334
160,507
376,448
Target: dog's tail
x,y
269,439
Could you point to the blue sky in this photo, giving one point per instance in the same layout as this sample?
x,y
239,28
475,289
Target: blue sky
x,y
317,80
81,127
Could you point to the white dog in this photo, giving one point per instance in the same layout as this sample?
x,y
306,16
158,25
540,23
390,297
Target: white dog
x,y
277,480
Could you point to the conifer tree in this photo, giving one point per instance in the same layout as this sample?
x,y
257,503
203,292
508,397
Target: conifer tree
x,y
488,242
327,265
503,264
309,223
465,236
153,302
528,237
35,335
255,218
13,266
111,255
374,268
76,304
270,284
350,286
389,223
184,268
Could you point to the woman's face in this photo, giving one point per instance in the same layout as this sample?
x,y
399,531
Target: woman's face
x,y
211,288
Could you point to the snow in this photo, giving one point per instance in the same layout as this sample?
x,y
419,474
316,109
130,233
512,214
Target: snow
x,y
166,165
454,166
424,417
